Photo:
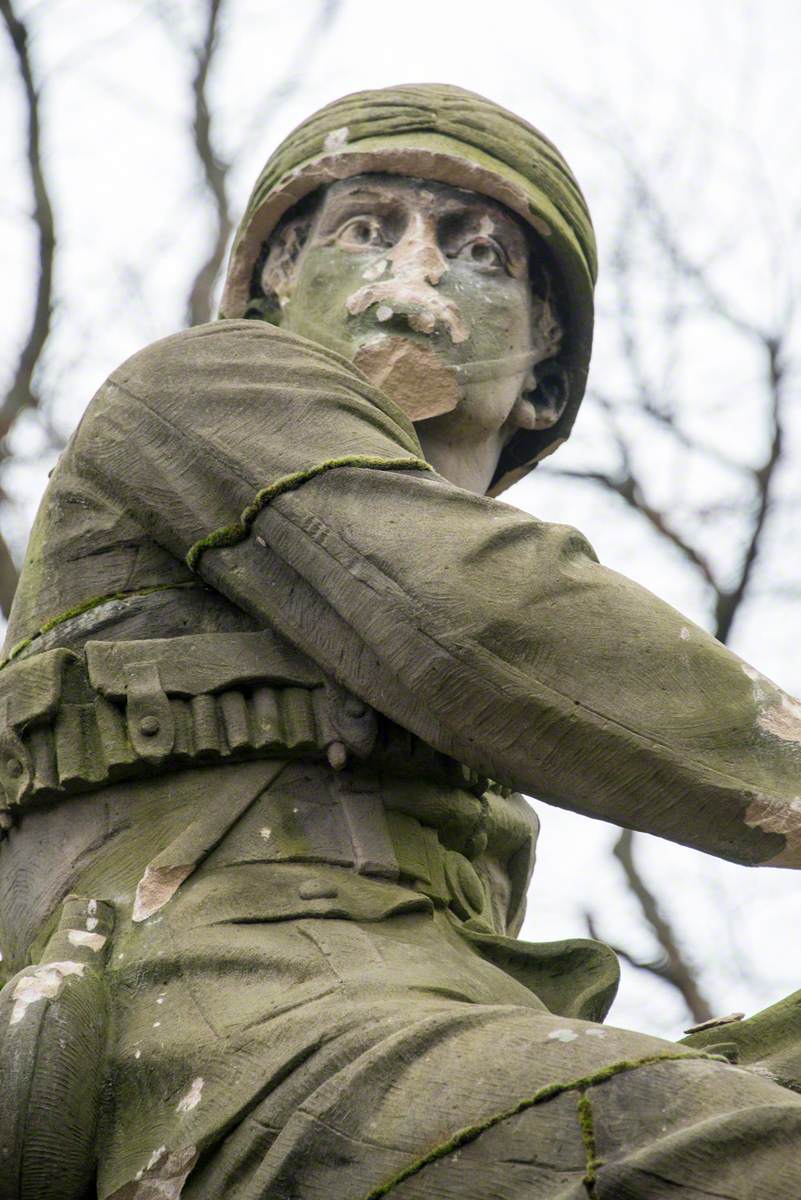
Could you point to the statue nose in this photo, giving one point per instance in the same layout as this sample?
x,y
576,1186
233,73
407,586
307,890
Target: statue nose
x,y
417,256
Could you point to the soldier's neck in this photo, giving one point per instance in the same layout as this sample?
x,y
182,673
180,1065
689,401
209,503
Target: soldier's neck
x,y
469,465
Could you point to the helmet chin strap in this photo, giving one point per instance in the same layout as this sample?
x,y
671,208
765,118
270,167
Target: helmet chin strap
x,y
480,370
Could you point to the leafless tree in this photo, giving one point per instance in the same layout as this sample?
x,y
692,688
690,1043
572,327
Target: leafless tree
x,y
684,288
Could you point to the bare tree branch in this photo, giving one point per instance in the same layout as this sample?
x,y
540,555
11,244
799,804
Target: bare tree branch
x,y
215,168
630,490
672,966
22,393
729,602
650,393
215,172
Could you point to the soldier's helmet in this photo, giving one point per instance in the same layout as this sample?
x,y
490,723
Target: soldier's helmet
x,y
442,133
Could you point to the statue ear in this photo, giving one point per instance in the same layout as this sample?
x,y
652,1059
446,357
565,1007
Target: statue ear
x,y
542,404
275,269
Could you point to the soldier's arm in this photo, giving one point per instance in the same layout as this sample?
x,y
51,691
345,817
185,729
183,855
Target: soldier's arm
x,y
295,489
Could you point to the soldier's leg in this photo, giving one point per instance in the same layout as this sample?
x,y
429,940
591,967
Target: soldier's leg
x,y
330,1058
424,1106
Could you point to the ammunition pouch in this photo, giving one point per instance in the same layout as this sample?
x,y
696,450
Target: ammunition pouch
x,y
73,722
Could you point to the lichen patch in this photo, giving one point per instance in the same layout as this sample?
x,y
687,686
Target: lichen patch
x,y
562,1035
41,983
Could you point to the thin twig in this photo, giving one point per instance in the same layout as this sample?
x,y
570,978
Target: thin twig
x,y
730,601
671,967
215,172
629,489
215,169
21,394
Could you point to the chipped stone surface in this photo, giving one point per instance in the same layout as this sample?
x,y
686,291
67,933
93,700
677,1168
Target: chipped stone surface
x,y
773,815
375,270
417,268
82,937
336,139
163,1178
41,983
156,887
713,1022
783,720
192,1097
410,373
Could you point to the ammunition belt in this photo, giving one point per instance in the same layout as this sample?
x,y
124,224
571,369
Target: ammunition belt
x,y
72,722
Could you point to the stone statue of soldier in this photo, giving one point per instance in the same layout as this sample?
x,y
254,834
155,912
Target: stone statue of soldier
x,y
279,660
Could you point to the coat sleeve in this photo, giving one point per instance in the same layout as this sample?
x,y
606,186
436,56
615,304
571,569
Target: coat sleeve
x,y
297,491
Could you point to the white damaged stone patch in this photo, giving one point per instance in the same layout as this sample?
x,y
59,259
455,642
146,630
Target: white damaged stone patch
x,y
782,720
375,270
684,633
562,1035
192,1097
156,887
596,1033
336,139
163,1178
760,695
82,937
42,983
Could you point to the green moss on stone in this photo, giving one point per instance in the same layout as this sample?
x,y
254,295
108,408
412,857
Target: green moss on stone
x,y
230,535
549,1092
85,606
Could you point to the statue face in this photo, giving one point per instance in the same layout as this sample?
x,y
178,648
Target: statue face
x,y
426,288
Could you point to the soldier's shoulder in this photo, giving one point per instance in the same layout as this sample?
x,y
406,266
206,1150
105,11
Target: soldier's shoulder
x,y
221,350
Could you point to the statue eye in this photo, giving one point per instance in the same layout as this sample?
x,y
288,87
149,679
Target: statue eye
x,y
482,252
362,231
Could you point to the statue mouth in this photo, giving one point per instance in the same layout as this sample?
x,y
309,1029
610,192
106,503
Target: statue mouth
x,y
423,308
